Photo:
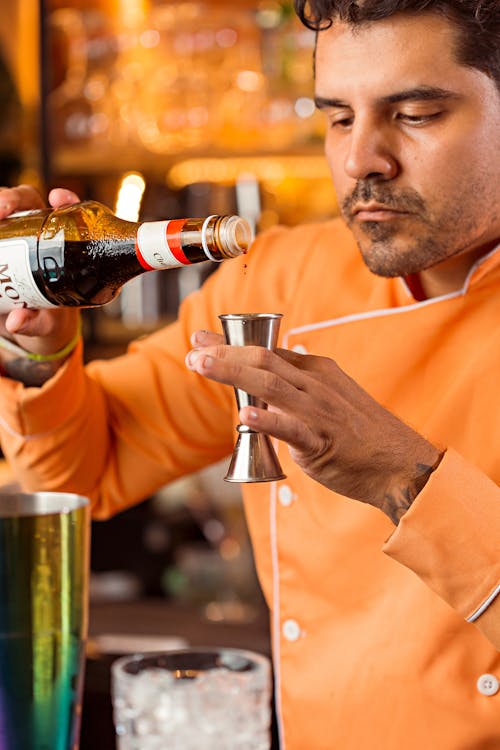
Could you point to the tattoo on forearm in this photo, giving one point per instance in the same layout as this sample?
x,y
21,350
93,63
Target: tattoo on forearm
x,y
396,503
30,373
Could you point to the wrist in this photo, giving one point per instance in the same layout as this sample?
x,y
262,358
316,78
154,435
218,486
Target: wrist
x,y
31,368
401,494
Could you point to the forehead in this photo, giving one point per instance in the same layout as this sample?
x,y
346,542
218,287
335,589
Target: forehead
x,y
393,53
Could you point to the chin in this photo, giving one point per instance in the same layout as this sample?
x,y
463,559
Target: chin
x,y
387,272
385,260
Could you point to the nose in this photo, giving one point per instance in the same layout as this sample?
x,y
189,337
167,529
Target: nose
x,y
370,153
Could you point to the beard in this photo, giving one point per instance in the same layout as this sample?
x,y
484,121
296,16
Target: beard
x,y
383,255
404,245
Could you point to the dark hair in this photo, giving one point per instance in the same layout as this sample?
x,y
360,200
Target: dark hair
x,y
477,23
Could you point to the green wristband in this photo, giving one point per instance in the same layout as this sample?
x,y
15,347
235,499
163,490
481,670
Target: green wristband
x,y
15,349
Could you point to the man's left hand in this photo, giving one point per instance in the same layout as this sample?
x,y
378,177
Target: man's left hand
x,y
337,433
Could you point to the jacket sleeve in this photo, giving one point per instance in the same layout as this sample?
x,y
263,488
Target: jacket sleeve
x,y
450,537
116,430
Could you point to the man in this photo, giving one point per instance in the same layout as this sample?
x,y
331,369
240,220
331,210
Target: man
x,y
385,624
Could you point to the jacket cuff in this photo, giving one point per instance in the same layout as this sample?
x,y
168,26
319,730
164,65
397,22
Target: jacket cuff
x,y
450,536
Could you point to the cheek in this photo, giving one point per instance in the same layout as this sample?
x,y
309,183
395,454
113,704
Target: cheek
x,y
335,158
453,170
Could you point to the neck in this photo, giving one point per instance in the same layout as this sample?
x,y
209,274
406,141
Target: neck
x,y
449,276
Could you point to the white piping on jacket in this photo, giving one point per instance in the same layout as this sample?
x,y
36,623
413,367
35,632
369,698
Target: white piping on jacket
x,y
276,613
391,310
484,606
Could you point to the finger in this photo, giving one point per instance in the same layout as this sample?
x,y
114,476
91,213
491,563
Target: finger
x,y
206,338
322,370
260,358
282,426
23,321
42,331
249,373
19,198
62,197
310,362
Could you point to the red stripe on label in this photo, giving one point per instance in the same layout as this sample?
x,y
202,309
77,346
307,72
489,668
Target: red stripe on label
x,y
174,240
141,260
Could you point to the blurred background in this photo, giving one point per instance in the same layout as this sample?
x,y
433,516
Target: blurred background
x,y
166,109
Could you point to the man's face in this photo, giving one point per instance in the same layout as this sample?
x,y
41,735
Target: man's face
x,y
413,142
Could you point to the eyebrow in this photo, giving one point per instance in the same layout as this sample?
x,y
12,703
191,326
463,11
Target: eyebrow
x,y
420,93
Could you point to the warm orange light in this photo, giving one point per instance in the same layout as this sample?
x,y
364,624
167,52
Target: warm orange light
x,y
249,80
28,58
129,199
133,12
269,169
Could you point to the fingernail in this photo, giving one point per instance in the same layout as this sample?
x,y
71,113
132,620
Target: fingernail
x,y
5,206
191,358
198,337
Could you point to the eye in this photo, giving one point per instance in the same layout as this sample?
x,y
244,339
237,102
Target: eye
x,y
341,121
418,119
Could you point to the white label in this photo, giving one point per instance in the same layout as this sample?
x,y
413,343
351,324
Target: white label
x,y
17,285
154,248
31,212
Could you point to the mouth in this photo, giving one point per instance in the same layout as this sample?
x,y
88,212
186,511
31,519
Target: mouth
x,y
376,212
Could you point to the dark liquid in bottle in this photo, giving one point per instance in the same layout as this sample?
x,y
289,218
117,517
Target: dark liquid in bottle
x,y
84,273
88,273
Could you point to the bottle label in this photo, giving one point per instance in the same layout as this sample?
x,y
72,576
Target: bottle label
x,y
31,212
159,246
17,285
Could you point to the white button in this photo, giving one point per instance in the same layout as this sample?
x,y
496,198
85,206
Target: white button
x,y
488,684
285,495
299,349
291,630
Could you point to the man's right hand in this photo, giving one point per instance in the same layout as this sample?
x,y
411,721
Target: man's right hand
x,y
38,331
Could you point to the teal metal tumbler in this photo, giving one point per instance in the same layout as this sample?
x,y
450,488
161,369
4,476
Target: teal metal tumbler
x,y
44,563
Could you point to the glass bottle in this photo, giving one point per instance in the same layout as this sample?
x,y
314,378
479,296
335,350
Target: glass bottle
x,y
81,255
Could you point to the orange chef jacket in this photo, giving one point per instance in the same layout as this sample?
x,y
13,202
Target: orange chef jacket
x,y
373,637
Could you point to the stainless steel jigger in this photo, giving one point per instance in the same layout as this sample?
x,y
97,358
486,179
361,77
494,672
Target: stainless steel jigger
x,y
254,458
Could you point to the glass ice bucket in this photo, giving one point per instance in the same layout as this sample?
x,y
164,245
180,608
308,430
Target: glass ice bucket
x,y
193,699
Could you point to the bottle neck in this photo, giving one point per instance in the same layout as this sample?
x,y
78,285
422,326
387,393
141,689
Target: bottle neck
x,y
173,243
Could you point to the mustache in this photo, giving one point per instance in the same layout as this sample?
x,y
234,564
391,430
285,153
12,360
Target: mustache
x,y
392,198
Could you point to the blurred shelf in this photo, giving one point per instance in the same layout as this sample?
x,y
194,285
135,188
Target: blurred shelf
x,y
92,159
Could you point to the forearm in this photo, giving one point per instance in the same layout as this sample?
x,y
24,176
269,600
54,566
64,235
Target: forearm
x,y
401,494
30,368
119,429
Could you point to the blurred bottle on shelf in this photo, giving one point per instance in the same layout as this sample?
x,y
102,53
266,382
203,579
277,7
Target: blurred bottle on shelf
x,y
179,78
10,146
